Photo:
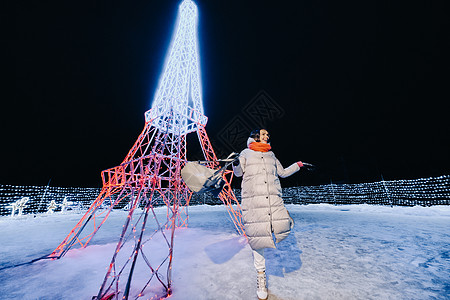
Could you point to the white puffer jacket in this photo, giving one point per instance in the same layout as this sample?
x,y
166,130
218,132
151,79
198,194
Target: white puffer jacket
x,y
263,209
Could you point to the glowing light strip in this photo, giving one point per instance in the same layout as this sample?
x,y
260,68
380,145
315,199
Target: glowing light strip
x,y
179,90
423,191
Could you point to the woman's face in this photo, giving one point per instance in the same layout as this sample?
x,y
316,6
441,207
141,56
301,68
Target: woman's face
x,y
264,136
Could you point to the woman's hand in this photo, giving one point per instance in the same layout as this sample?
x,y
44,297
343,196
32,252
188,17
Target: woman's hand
x,y
307,166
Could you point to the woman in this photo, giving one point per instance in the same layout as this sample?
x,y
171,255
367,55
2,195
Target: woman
x,y
263,209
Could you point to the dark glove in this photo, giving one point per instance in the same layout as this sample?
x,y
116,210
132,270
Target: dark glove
x,y
309,167
234,156
236,162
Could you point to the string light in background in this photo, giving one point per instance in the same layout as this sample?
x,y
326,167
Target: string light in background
x,y
19,200
423,191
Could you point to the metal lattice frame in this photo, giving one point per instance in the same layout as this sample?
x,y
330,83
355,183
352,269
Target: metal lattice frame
x,y
149,176
227,195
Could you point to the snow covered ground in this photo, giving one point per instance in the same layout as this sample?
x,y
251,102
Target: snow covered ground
x,y
334,252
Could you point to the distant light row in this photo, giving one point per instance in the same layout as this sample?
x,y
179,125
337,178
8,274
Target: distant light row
x,y
423,191
20,200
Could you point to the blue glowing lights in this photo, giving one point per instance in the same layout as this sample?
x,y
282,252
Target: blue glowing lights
x,y
178,106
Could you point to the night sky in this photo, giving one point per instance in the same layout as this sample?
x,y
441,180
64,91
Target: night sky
x,y
358,88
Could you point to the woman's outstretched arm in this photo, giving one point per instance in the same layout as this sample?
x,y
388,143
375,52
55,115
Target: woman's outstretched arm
x,y
282,172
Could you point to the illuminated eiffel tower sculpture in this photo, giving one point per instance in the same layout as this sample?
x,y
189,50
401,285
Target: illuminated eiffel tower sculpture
x,y
149,176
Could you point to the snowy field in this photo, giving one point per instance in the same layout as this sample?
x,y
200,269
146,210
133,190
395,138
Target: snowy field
x,y
334,252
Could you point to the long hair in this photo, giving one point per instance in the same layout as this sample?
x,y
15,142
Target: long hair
x,y
255,134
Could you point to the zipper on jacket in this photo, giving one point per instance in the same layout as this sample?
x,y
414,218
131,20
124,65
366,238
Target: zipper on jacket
x,y
268,193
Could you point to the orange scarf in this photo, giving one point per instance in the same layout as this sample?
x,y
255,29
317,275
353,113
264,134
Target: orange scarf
x,y
260,147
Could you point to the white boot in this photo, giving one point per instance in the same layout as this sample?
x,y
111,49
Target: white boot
x,y
261,289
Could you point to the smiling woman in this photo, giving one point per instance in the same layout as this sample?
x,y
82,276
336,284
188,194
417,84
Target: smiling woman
x,y
263,210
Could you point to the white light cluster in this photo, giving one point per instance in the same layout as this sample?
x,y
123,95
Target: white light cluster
x,y
66,203
18,206
22,200
51,207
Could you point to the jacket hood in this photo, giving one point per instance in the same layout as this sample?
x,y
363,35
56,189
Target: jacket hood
x,y
249,141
